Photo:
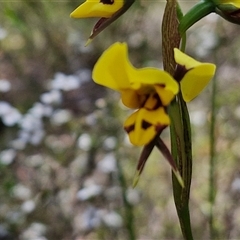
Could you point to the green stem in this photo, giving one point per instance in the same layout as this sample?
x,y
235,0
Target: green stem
x,y
182,153
180,124
211,196
184,35
129,213
197,12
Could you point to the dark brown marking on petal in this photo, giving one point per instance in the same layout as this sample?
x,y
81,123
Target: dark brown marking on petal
x,y
110,2
146,125
180,71
146,96
159,102
130,128
161,85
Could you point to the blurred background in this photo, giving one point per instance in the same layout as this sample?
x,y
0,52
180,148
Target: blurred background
x,y
66,166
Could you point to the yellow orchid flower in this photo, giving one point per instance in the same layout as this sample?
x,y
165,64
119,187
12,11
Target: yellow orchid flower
x,y
107,10
192,75
97,8
149,90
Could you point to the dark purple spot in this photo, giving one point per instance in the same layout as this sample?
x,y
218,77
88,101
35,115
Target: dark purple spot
x,y
146,125
180,71
159,102
107,1
129,128
161,85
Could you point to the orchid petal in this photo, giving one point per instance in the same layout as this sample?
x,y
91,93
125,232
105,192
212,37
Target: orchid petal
x,y
97,8
194,76
143,125
165,95
132,99
185,60
195,80
111,69
145,78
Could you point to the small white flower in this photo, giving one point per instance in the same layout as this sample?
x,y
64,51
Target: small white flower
x,y
28,206
89,219
39,110
110,143
85,75
89,192
37,137
30,122
10,115
236,185
108,164
53,97
21,192
12,118
5,85
112,219
4,108
61,116
65,82
84,142
7,156
35,231
18,144
133,196
3,33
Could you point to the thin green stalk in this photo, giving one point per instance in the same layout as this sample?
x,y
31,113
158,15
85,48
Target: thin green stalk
x,y
196,13
184,35
129,214
211,196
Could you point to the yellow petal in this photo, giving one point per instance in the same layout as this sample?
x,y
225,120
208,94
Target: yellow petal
x,y
111,69
195,80
184,60
143,125
131,99
165,95
152,102
144,80
97,8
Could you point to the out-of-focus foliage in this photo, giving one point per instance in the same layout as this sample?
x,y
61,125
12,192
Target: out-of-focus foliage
x,y
65,164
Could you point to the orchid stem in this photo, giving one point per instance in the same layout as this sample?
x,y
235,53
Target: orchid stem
x,y
212,160
196,13
128,208
180,124
181,151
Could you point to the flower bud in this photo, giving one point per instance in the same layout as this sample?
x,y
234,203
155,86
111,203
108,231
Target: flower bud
x,y
229,11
